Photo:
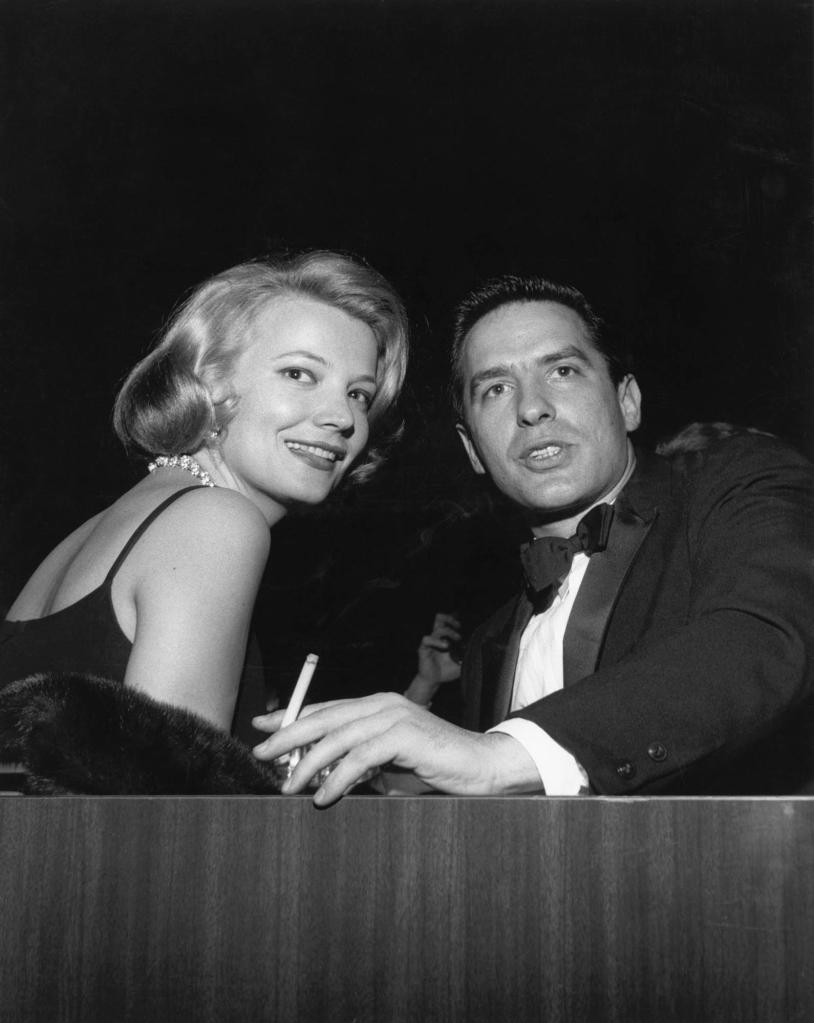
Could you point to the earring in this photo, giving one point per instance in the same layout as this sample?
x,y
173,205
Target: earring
x,y
214,434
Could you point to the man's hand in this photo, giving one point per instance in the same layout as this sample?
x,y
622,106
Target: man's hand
x,y
389,729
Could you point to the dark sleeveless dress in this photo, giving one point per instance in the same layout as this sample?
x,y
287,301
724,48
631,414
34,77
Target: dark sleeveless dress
x,y
86,637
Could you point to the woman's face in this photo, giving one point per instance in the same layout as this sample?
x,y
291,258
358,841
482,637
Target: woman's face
x,y
304,382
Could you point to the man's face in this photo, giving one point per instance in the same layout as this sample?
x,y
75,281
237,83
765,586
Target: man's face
x,y
542,416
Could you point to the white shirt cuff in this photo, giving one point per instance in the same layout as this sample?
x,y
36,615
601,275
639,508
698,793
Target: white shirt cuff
x,y
560,773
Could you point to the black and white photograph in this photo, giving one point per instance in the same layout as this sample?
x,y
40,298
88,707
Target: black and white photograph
x,y
407,548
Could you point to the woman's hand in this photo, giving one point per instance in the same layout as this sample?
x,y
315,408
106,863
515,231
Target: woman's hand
x,y
438,659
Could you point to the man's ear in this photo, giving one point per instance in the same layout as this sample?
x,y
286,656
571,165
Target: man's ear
x,y
630,402
469,448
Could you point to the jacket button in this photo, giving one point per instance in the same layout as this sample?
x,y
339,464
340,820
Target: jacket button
x,y
657,751
626,770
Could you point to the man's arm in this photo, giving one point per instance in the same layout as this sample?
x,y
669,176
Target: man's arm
x,y
709,684
716,679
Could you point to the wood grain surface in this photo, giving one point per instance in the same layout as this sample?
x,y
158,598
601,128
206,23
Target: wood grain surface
x,y
407,909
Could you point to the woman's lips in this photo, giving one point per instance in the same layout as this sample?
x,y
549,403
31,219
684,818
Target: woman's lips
x,y
319,456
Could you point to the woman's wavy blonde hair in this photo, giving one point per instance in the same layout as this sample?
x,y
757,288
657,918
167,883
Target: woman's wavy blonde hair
x,y
166,404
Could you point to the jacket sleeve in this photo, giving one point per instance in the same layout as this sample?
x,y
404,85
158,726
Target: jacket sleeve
x,y
736,665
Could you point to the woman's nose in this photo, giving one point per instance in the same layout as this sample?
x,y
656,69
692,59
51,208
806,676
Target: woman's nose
x,y
335,412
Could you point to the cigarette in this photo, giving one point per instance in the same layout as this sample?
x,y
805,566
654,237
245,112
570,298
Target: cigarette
x,y
300,689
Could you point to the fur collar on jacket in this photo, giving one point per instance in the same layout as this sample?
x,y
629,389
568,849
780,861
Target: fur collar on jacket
x,y
81,734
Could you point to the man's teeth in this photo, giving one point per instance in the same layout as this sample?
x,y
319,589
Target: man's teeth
x,y
312,449
546,452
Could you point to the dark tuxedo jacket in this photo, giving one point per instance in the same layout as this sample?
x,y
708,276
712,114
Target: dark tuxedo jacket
x,y
689,654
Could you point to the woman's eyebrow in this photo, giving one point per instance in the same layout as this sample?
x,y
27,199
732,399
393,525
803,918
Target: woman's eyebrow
x,y
302,353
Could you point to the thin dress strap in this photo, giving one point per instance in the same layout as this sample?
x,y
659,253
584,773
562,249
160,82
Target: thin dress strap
x,y
141,530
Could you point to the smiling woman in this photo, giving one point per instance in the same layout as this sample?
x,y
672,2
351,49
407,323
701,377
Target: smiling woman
x,y
307,381
270,386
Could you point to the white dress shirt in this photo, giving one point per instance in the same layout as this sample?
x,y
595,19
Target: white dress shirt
x,y
540,672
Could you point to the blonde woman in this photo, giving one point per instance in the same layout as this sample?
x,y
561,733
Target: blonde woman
x,y
268,389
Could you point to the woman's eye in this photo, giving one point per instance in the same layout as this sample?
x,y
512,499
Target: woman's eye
x,y
297,373
364,399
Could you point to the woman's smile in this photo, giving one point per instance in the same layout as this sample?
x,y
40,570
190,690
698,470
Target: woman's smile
x,y
319,456
304,386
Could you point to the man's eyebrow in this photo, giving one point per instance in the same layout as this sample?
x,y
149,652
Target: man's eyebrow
x,y
491,373
504,369
569,352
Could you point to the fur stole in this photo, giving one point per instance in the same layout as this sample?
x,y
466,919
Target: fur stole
x,y
81,734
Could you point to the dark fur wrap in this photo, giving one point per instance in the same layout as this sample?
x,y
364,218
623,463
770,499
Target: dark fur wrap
x,y
81,734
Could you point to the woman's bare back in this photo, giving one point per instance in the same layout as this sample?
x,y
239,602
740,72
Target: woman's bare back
x,y
81,562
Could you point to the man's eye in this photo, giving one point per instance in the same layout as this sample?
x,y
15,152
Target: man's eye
x,y
495,390
563,372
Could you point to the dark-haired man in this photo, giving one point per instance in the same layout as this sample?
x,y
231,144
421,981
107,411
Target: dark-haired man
x,y
663,639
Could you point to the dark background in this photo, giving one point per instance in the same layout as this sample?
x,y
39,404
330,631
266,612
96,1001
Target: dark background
x,y
657,155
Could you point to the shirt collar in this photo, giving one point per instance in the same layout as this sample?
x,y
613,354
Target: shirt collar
x,y
611,496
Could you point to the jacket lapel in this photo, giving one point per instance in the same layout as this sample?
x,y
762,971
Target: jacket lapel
x,y
634,514
500,653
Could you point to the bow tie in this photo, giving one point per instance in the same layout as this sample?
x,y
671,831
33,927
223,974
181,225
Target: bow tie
x,y
547,560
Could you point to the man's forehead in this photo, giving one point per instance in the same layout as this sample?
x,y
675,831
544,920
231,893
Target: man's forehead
x,y
526,330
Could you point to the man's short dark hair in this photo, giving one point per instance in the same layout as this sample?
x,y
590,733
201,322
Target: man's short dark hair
x,y
509,289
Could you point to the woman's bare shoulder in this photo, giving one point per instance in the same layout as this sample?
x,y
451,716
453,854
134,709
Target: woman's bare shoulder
x,y
213,525
217,512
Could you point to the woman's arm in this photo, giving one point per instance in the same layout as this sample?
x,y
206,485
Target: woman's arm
x,y
198,572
